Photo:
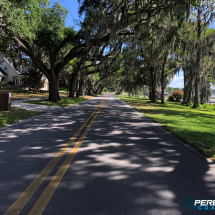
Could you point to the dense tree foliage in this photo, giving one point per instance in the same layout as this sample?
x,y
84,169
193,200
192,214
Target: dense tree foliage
x,y
128,44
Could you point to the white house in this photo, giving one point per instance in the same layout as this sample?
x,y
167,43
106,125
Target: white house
x,y
9,73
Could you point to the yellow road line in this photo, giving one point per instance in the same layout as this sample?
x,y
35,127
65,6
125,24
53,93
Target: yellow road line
x,y
20,203
45,197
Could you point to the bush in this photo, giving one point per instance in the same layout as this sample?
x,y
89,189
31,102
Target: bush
x,y
3,83
178,95
11,83
171,98
205,105
34,81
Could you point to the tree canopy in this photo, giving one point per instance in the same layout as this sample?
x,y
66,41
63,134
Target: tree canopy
x,y
140,42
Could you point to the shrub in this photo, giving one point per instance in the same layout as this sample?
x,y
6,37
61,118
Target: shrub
x,y
34,81
11,83
171,98
3,83
178,95
205,105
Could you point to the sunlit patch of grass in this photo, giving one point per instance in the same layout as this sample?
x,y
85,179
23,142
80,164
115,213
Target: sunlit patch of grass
x,y
65,101
194,126
15,115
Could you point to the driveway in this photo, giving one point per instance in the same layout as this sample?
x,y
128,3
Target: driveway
x,y
43,108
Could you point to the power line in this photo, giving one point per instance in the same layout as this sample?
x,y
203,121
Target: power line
x,y
69,12
66,20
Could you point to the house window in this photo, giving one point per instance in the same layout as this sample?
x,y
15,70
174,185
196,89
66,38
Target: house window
x,y
5,67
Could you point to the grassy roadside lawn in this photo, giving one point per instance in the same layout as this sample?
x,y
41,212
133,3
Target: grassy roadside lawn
x,y
15,115
194,126
65,101
25,94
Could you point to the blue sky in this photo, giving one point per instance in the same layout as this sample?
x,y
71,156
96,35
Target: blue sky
x,y
72,6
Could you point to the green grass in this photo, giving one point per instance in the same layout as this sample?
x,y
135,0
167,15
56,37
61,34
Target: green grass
x,y
63,90
15,115
24,94
194,126
65,101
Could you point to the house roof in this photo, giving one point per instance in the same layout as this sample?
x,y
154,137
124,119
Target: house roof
x,y
11,65
24,73
2,72
17,70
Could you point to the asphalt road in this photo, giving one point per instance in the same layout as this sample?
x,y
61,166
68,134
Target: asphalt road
x,y
122,163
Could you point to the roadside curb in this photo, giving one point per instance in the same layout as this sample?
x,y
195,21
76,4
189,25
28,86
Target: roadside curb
x,y
208,160
43,114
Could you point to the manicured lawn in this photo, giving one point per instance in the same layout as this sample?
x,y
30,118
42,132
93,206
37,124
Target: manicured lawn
x,y
65,101
15,115
25,94
194,126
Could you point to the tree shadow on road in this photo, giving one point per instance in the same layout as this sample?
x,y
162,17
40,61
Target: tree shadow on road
x,y
126,165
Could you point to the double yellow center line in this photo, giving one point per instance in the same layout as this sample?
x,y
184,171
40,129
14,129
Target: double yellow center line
x,y
45,197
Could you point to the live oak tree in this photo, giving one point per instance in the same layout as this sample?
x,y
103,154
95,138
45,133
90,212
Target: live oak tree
x,y
106,25
45,29
48,43
139,17
197,41
133,71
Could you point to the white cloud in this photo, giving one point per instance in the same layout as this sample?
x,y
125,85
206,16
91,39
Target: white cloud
x,y
177,78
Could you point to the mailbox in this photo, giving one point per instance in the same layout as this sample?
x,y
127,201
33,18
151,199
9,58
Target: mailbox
x,y
5,101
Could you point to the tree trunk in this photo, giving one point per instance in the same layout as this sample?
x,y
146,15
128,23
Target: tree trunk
x,y
100,90
96,91
154,77
82,87
152,84
80,91
197,87
155,85
73,80
162,80
202,94
77,88
162,87
135,91
53,90
198,58
190,86
186,86
150,91
89,90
